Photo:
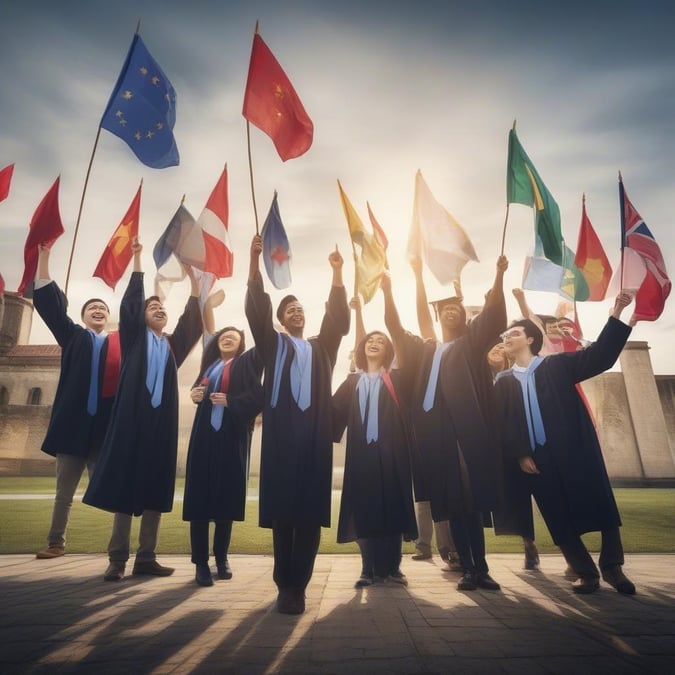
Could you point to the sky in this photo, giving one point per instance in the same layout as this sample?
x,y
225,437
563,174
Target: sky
x,y
391,87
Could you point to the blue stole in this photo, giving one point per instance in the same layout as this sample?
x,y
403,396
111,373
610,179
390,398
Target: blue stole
x,y
430,394
97,345
157,355
301,371
214,374
368,389
535,423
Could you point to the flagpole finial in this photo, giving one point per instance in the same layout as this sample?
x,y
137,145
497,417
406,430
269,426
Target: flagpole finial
x,y
620,179
514,124
138,27
257,25
182,201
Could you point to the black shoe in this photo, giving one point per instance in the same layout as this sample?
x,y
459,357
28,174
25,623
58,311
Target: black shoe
x,y
152,568
484,580
614,576
203,575
291,601
586,586
467,582
224,570
115,571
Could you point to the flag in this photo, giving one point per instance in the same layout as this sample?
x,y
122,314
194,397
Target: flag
x,y
380,236
45,228
142,109
213,223
2,286
117,253
540,274
271,104
182,238
276,251
524,186
642,253
5,180
591,259
371,263
436,237
562,329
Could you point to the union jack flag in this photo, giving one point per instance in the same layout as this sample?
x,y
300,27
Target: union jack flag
x,y
642,253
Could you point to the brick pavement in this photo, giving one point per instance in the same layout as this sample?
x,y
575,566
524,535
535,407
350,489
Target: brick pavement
x,y
59,616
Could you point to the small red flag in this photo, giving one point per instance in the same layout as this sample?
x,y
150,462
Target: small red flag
x,y
5,180
213,222
591,259
117,254
2,286
271,104
45,228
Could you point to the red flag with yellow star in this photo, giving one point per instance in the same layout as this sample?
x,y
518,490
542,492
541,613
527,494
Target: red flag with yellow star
x,y
272,105
117,254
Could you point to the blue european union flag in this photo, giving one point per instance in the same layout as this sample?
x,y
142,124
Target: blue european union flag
x,y
276,250
142,109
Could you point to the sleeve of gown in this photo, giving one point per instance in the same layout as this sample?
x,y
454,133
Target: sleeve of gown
x,y
342,399
335,324
51,304
187,332
247,401
511,414
258,307
601,354
484,329
132,312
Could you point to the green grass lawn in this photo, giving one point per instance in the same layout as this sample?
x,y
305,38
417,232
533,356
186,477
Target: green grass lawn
x,y
648,524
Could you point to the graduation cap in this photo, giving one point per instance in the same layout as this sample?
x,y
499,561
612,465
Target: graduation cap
x,y
457,300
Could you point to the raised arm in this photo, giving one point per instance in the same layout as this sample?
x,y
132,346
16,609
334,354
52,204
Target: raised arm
x,y
335,322
424,319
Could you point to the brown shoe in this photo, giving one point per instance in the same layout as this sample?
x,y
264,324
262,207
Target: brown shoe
x,y
614,576
115,571
421,555
51,552
152,568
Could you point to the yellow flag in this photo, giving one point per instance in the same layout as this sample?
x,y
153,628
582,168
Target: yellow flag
x,y
370,264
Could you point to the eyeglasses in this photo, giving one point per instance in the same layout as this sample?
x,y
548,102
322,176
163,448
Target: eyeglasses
x,y
512,334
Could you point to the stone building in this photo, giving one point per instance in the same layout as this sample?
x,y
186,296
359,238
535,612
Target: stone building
x,y
633,409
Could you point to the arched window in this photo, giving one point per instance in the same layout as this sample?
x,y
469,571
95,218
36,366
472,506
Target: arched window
x,y
4,395
34,396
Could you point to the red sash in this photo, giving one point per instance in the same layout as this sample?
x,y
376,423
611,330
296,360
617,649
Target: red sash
x,y
111,368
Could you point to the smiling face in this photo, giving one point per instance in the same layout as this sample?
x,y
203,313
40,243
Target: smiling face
x,y
228,343
155,316
95,315
515,342
293,318
376,348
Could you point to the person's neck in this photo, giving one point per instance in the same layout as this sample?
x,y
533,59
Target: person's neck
x,y
524,358
97,329
296,333
158,333
373,366
450,334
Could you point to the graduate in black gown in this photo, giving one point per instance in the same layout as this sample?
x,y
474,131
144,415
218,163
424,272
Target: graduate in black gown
x,y
548,431
90,368
376,508
457,458
228,395
296,463
136,472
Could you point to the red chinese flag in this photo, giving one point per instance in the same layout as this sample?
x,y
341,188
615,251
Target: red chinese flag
x,y
271,104
5,180
117,254
591,259
45,228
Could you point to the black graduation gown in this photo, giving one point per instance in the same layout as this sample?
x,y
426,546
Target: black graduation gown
x,y
71,430
218,461
462,416
137,467
377,486
572,489
296,463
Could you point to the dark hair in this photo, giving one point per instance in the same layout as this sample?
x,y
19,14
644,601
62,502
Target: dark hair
x,y
439,304
532,331
211,351
88,302
360,351
287,300
150,299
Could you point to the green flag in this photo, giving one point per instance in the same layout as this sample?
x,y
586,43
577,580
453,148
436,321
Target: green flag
x,y
524,186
